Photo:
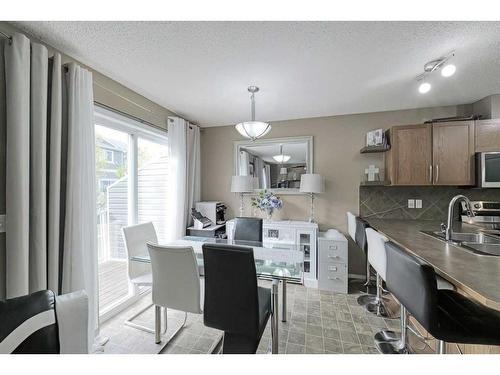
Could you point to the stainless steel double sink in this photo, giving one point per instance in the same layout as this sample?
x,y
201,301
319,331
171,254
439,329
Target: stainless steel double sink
x,y
479,243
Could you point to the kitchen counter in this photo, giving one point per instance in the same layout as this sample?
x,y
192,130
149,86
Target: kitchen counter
x,y
476,275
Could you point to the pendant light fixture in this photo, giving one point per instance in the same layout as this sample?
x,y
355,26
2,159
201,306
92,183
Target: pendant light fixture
x,y
253,129
281,158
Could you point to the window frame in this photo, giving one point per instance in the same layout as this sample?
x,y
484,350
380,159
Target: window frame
x,y
135,130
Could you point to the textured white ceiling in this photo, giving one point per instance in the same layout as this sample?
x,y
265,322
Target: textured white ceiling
x,y
201,70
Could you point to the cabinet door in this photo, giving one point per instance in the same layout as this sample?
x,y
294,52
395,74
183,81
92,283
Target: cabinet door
x,y
453,153
411,155
487,135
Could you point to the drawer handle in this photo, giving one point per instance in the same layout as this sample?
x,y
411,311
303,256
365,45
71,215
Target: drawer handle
x,y
333,257
332,268
333,247
333,278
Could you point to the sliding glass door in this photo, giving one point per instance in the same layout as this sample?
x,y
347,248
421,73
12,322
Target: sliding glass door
x,y
131,180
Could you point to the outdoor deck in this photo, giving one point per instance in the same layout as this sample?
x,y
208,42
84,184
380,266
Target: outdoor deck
x,y
113,282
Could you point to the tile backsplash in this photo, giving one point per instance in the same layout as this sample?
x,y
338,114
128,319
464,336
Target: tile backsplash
x,y
391,202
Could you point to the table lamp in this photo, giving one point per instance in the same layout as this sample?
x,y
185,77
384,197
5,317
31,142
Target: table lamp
x,y
242,184
312,183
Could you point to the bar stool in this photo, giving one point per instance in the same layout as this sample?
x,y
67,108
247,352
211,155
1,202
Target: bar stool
x,y
377,258
362,242
447,315
367,285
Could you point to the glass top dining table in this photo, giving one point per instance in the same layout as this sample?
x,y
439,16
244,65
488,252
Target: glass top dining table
x,y
276,260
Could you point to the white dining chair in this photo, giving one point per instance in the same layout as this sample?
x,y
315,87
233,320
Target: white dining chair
x,y
176,283
136,237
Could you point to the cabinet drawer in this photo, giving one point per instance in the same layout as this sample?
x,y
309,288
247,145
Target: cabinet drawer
x,y
333,251
334,256
331,271
333,277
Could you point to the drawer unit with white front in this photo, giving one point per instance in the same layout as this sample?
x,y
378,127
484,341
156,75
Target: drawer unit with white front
x,y
333,261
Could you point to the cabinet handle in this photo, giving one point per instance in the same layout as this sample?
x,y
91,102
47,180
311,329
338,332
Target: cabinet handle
x,y
333,247
430,173
437,173
333,278
333,257
332,268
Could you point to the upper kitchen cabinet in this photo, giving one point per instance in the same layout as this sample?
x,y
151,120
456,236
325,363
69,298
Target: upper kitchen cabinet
x,y
488,135
432,154
453,153
409,161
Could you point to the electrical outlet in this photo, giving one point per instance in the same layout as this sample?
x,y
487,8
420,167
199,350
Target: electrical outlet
x,y
418,203
411,203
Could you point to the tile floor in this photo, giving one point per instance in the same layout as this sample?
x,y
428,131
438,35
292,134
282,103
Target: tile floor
x,y
317,322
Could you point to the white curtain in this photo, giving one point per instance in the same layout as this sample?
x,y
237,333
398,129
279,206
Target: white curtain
x,y
50,176
79,266
183,175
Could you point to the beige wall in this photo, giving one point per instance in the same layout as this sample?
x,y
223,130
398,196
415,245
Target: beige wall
x,y
337,141
488,107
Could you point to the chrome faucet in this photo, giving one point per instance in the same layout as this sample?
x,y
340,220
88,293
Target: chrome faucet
x,y
448,228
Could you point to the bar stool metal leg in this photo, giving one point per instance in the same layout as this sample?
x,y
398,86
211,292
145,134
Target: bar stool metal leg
x,y
391,346
377,306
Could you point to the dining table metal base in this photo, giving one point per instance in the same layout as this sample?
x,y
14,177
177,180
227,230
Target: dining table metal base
x,y
274,317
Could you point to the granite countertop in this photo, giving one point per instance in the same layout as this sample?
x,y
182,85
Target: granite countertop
x,y
476,275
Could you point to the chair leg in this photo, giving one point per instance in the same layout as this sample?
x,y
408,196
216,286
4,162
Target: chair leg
x,y
378,306
158,324
129,322
441,347
158,332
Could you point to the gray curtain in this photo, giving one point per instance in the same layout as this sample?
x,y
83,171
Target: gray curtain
x,y
47,128
29,259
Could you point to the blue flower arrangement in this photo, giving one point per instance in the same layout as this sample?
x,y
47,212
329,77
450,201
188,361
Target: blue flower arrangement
x,y
268,202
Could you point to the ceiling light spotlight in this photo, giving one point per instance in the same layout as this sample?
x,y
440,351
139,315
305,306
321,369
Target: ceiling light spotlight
x,y
424,87
448,70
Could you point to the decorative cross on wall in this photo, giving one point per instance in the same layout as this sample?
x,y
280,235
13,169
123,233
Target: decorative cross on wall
x,y
371,171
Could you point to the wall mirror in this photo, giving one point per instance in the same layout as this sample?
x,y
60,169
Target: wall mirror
x,y
276,164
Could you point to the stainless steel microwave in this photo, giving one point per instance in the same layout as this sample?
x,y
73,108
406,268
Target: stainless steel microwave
x,y
488,169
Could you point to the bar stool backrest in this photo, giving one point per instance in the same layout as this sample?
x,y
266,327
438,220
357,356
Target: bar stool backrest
x,y
361,241
351,225
413,283
376,251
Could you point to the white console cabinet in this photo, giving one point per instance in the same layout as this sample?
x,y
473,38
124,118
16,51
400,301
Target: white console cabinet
x,y
297,234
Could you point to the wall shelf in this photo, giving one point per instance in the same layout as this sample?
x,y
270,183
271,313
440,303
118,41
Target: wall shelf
x,y
372,149
375,183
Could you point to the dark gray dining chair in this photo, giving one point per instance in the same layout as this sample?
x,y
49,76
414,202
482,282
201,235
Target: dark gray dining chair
x,y
234,303
247,229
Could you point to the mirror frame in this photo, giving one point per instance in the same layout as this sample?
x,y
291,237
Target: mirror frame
x,y
309,157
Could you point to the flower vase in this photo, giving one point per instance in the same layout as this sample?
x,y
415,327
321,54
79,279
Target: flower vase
x,y
269,213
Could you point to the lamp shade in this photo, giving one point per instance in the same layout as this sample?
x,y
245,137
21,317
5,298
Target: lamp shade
x,y
242,184
312,183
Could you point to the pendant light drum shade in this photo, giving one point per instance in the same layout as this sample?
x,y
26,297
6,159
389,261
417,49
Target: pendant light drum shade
x,y
253,129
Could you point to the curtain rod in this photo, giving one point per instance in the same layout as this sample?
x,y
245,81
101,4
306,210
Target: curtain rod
x,y
129,116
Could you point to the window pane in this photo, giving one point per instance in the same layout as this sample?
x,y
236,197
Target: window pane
x,y
152,185
112,152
